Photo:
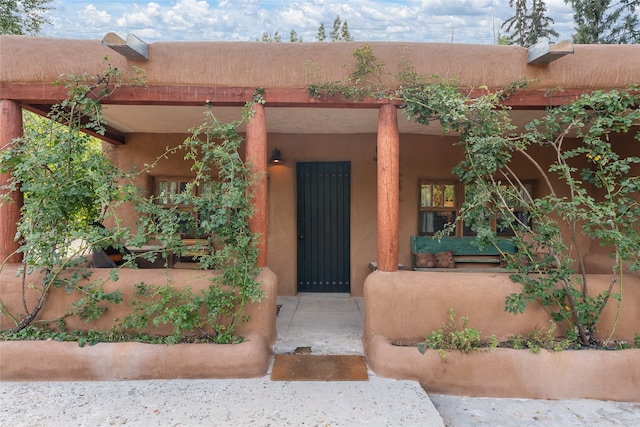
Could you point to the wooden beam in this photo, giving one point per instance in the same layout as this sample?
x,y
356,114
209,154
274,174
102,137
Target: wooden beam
x,y
38,93
111,134
388,188
10,128
256,153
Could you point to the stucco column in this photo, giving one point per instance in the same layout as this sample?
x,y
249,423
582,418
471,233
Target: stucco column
x,y
10,128
257,156
388,188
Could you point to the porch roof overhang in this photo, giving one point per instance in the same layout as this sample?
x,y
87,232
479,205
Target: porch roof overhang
x,y
184,77
174,109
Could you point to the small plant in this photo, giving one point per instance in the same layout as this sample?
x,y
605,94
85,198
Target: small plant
x,y
366,79
210,316
539,339
516,342
449,337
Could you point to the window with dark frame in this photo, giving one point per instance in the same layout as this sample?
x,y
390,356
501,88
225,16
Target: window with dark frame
x,y
441,200
166,190
516,203
438,206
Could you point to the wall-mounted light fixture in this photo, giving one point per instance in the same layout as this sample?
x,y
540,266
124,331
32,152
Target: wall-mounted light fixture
x,y
276,158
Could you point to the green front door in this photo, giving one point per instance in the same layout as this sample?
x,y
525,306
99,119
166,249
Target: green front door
x,y
324,195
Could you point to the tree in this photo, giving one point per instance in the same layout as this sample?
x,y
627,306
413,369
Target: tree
x,y
346,35
503,40
269,38
293,36
605,21
322,35
67,186
277,38
528,28
23,17
340,31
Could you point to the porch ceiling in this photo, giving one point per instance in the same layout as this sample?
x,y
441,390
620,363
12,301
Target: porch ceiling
x,y
179,119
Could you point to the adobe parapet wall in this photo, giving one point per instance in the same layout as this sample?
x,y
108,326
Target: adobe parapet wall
x,y
294,65
65,361
406,306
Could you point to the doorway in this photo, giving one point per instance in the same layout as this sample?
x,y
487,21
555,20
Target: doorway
x,y
323,216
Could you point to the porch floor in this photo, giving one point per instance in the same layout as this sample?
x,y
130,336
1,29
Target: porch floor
x,y
328,323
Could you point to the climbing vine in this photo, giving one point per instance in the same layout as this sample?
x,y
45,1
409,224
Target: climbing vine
x,y
69,187
590,189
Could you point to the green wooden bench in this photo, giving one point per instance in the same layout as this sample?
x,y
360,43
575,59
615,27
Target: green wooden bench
x,y
465,250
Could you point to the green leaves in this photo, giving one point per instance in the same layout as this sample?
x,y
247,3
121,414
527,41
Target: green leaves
x,y
220,194
452,337
588,184
594,194
69,184
590,189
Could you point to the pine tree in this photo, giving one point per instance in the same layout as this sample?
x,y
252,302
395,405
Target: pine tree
x,y
336,33
346,35
605,21
322,35
293,37
528,26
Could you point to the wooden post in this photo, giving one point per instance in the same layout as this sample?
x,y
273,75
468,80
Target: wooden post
x,y
10,128
388,188
257,156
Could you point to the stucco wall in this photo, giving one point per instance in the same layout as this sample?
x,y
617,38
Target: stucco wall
x,y
402,308
261,314
421,156
409,305
251,64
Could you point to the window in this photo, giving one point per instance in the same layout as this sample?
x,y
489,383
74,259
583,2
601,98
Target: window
x,y
438,206
441,200
166,192
516,201
168,188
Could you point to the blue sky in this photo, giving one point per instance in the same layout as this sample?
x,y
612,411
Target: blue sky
x,y
460,21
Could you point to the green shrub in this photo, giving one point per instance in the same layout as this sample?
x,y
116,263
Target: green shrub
x,y
449,337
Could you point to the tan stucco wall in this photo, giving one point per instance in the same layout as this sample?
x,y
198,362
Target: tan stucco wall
x,y
405,307
421,156
261,314
251,64
409,305
67,361
508,373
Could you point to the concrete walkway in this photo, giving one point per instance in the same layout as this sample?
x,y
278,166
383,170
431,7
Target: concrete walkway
x,y
329,324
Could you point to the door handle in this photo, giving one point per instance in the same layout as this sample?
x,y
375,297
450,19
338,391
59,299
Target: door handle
x,y
301,237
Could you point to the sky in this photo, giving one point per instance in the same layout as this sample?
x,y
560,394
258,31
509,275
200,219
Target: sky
x,y
434,21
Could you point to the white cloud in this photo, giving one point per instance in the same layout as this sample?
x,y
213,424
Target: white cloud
x,y
141,18
90,14
470,21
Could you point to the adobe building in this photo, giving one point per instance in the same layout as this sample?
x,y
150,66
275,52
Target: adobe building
x,y
327,243
346,198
